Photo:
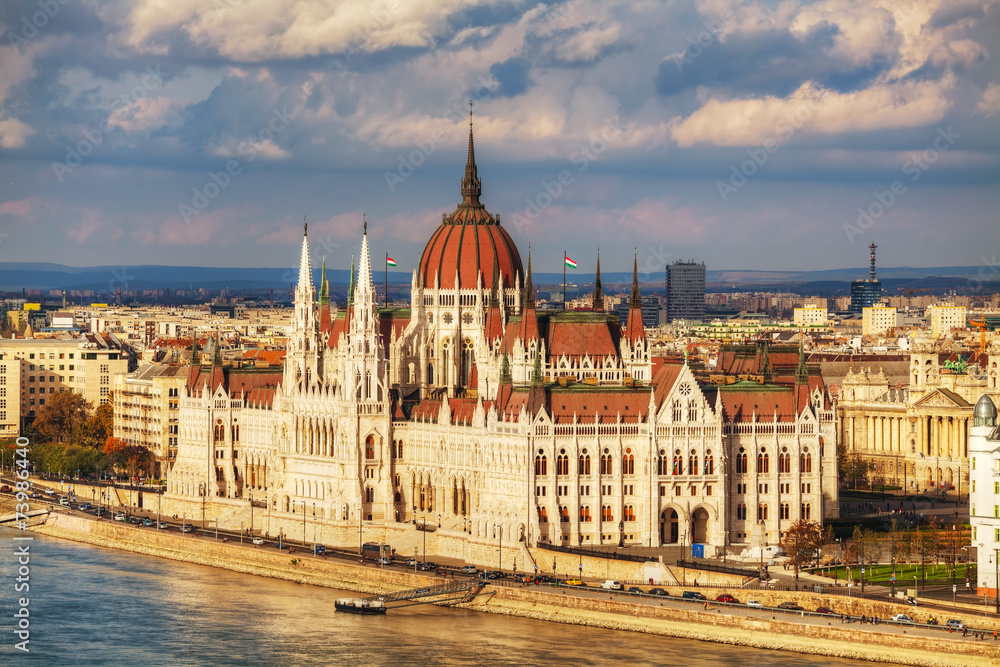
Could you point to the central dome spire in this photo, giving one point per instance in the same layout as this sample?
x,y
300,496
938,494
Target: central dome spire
x,y
471,186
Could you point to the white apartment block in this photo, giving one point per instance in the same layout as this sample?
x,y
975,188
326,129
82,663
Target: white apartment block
x,y
10,396
146,410
809,316
877,320
48,366
945,317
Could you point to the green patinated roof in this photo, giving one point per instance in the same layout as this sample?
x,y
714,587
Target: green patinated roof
x,y
750,385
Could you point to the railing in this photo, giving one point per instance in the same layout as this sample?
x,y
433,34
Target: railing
x,y
581,551
724,569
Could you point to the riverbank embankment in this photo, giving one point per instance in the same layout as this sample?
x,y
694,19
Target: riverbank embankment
x,y
556,605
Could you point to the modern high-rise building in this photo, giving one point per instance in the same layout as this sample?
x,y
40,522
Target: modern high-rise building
x,y
866,293
685,291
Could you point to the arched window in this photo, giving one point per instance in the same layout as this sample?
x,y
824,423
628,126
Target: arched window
x,y
430,373
741,461
693,463
678,463
220,431
709,463
235,432
543,516
762,511
399,449
678,411
467,361
741,511
585,514
784,461
584,464
806,461
606,463
628,463
541,465
607,514
629,513
370,447
806,511
785,510
763,463
369,494
562,465
692,411
662,463
564,514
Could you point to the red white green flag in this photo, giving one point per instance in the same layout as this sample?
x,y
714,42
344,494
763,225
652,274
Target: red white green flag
x,y
390,261
570,263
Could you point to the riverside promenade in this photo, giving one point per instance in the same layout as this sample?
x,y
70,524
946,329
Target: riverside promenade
x,y
736,625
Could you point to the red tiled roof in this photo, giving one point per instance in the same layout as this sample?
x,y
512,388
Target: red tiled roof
x,y
580,339
469,243
633,328
630,404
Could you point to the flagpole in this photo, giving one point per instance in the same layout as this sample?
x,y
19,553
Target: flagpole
x,y
564,280
386,280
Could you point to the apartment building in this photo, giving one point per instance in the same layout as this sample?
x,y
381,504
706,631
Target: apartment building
x,y
146,412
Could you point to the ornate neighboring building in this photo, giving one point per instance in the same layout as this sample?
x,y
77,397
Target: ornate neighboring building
x,y
477,413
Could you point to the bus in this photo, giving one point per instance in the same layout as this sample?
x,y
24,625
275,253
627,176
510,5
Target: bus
x,y
374,550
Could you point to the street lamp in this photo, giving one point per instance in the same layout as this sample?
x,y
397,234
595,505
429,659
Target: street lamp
x,y
201,489
251,511
314,529
425,538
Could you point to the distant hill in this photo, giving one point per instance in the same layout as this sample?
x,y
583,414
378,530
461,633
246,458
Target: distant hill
x,y
47,276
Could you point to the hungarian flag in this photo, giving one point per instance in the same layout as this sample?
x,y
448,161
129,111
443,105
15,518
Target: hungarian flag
x,y
570,263
390,261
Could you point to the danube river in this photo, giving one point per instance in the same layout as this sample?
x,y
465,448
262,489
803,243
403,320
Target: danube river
x,y
96,606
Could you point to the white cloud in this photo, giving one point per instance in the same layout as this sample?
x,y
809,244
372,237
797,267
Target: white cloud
x,y
14,133
989,105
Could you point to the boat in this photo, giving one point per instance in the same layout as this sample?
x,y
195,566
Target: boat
x,y
360,606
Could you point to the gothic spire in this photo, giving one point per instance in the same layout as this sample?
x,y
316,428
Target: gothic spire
x,y
350,286
536,374
471,186
217,355
305,267
529,288
324,286
800,372
505,377
194,348
635,300
598,305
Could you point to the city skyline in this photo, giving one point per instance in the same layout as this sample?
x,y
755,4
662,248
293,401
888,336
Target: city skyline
x,y
746,135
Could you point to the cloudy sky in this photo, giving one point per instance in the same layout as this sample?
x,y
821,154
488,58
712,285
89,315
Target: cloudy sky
x,y
751,135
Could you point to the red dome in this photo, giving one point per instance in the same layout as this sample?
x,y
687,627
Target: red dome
x,y
470,242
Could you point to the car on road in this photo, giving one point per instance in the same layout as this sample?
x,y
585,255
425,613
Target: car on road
x,y
34,494
187,528
134,520
383,561
469,569
693,595
611,585
427,566
955,624
161,525
64,501
579,582
120,517
902,618
726,597
83,507
280,545
755,604
657,591
792,606
5,489
635,590
319,550
422,591
410,562
824,610
258,540
147,522
50,492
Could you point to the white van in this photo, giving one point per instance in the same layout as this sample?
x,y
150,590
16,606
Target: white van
x,y
64,501
611,585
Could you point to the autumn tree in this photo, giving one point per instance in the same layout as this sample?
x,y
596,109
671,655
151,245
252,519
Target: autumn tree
x,y
801,541
61,415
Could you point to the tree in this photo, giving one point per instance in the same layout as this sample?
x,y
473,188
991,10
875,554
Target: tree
x,y
801,541
856,469
101,425
63,413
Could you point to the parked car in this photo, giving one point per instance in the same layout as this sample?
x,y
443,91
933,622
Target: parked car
x,y
755,604
469,569
693,595
902,618
257,540
631,589
611,585
657,591
726,597
955,624
824,610
793,606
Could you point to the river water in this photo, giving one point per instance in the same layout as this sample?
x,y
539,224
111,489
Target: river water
x,y
95,606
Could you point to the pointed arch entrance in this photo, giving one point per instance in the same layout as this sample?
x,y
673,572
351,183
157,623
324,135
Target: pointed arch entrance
x,y
669,527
